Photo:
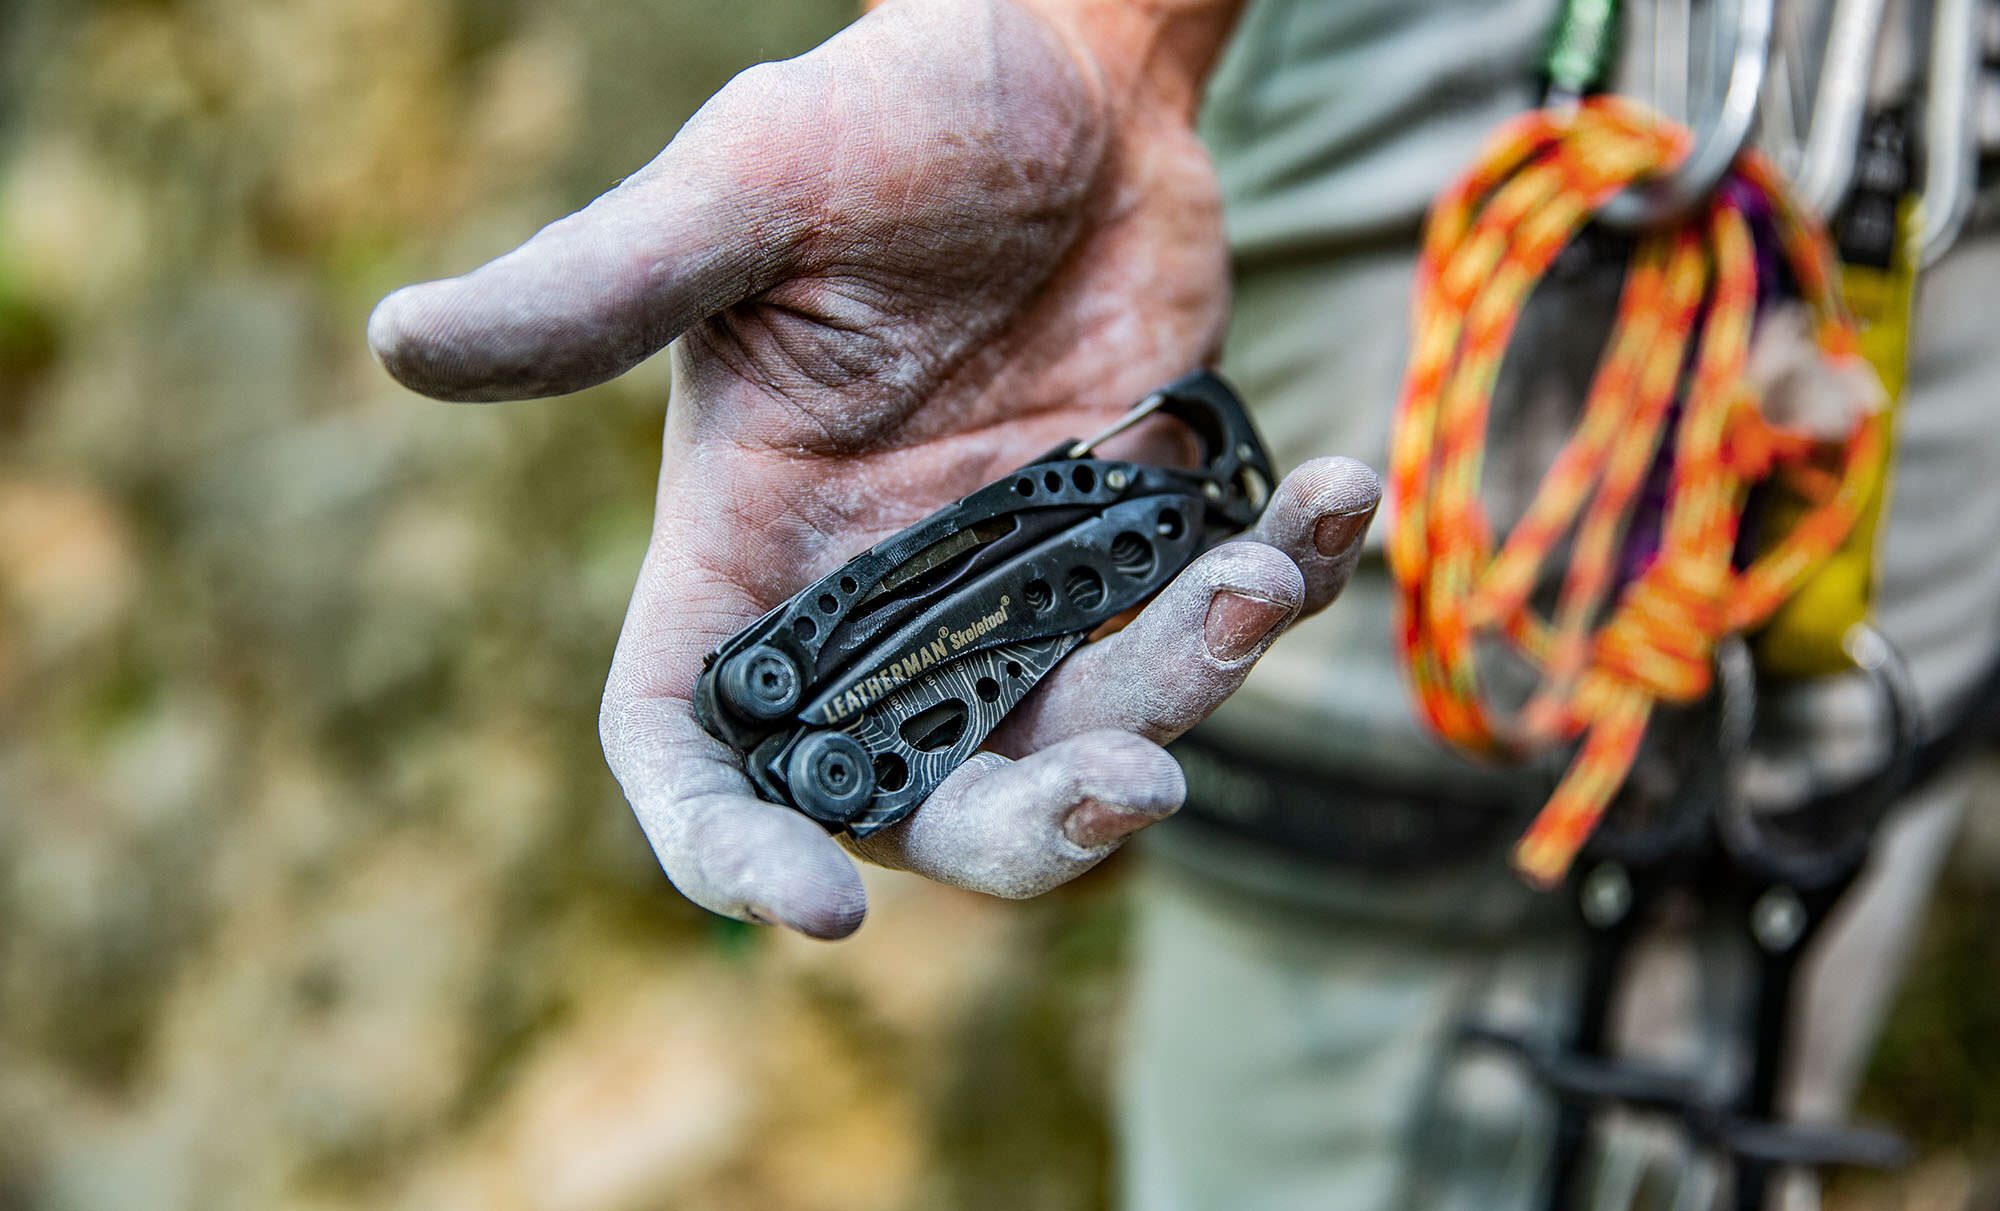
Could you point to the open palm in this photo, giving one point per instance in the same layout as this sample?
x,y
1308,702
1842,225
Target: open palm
x,y
898,266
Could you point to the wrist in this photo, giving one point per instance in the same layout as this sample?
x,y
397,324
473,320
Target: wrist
x,y
1152,54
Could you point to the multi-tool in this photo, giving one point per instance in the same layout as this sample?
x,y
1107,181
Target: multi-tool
x,y
853,700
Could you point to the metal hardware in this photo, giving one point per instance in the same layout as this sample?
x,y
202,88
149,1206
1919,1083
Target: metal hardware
x,y
1823,167
1827,164
853,700
1833,136
1681,192
1951,137
1781,884
1140,411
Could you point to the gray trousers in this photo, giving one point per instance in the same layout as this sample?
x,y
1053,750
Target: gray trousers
x,y
1302,1060
1289,1040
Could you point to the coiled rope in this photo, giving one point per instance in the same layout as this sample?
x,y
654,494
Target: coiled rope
x,y
1609,651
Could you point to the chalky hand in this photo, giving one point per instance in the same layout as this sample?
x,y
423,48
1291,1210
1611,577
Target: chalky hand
x,y
898,266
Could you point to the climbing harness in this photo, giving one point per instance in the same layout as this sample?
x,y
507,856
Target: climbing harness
x,y
1704,546
1775,878
853,700
1721,240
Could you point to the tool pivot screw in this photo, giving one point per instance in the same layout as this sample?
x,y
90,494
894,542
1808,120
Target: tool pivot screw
x,y
762,683
831,777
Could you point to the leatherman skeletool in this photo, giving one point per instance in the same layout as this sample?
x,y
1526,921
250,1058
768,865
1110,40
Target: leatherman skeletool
x,y
854,699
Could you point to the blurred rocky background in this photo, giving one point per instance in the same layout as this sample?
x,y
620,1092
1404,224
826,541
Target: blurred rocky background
x,y
314,892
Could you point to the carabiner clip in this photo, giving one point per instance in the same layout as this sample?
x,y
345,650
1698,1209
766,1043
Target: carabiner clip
x,y
1951,79
1848,815
1677,194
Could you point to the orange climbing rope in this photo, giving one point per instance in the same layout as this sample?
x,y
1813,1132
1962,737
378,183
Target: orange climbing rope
x,y
1608,652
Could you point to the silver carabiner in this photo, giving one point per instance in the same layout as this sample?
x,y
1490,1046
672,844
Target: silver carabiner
x,y
1679,193
1951,82
1951,137
1825,170
1840,103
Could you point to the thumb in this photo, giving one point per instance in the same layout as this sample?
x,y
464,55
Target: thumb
x,y
714,219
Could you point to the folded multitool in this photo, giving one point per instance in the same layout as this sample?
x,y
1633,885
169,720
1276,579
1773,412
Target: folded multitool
x,y
854,699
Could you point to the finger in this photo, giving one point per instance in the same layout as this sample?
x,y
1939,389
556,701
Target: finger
x,y
724,849
1194,644
1019,828
1186,652
711,221
1319,516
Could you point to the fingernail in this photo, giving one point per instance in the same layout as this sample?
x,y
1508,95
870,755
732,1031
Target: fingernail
x,y
1238,621
1092,825
1335,533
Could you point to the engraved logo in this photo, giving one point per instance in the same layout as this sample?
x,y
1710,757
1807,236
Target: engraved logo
x,y
918,660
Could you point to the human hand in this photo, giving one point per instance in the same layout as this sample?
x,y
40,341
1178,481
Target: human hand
x,y
899,266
